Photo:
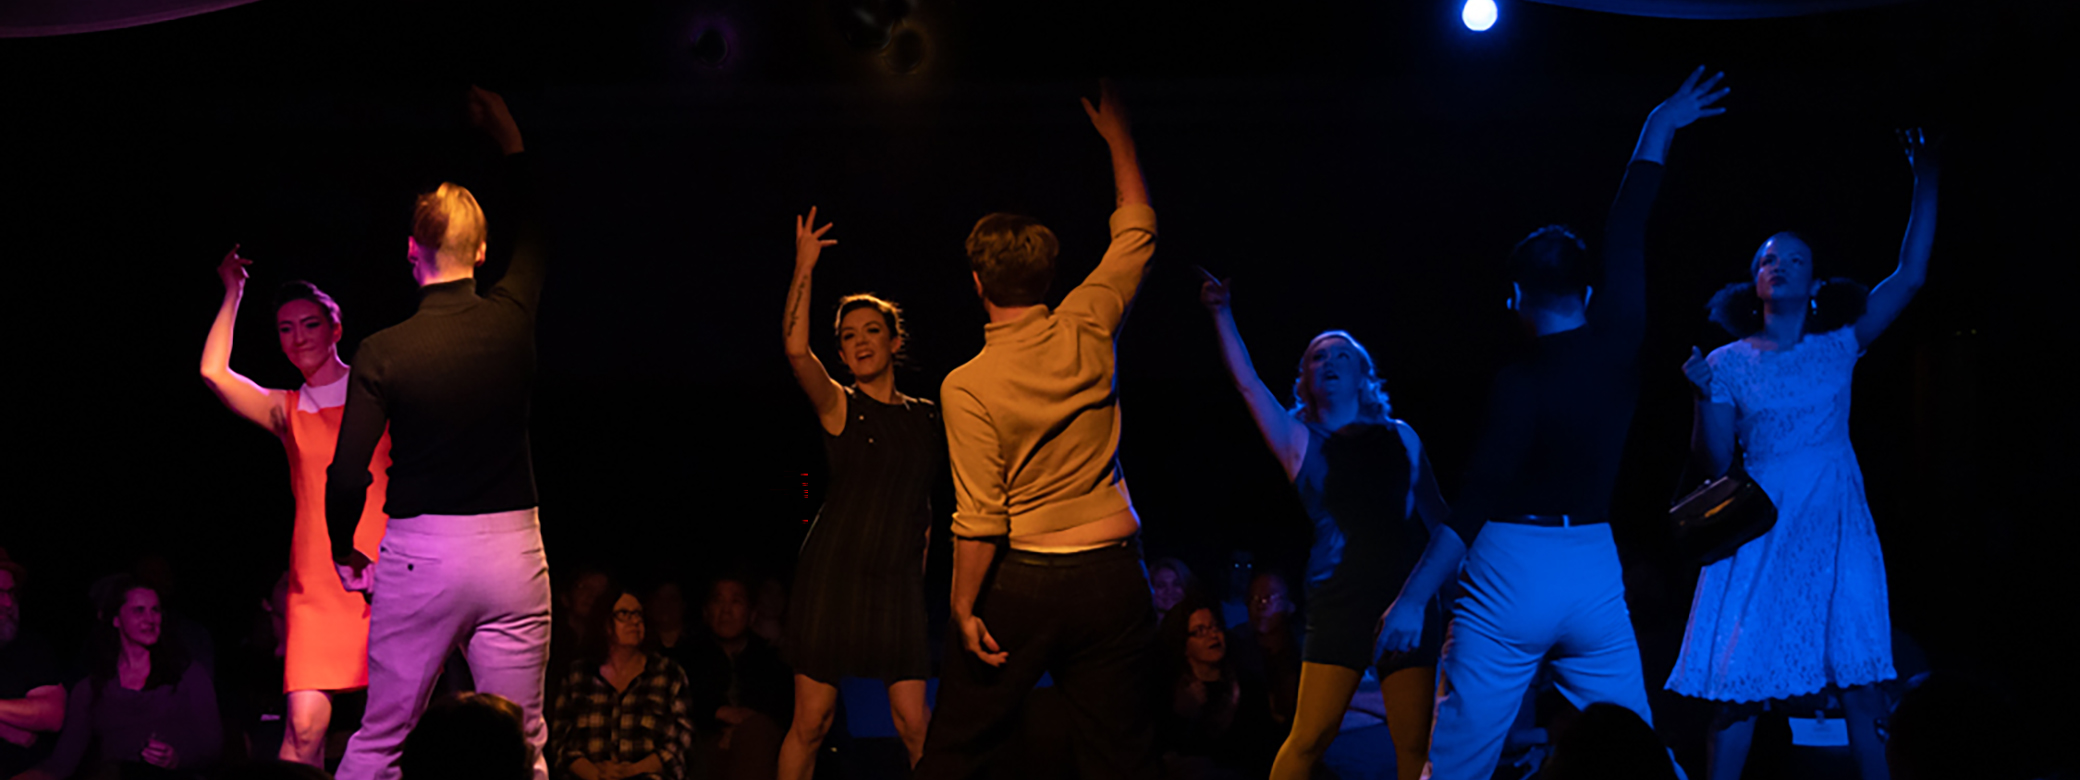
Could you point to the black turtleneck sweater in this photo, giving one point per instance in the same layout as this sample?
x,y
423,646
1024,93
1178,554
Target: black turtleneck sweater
x,y
454,384
1557,416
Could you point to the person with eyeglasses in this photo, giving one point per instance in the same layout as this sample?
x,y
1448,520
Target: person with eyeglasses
x,y
622,711
1218,721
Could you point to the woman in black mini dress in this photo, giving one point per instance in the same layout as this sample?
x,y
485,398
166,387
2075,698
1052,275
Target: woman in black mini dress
x,y
1368,491
858,608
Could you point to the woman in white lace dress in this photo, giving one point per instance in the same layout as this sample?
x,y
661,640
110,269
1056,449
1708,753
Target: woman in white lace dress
x,y
1801,608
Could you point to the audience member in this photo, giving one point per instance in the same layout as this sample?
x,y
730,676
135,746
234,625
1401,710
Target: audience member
x,y
1267,645
32,688
741,692
1216,722
623,710
250,691
144,701
1169,582
1610,742
664,618
769,618
156,571
469,736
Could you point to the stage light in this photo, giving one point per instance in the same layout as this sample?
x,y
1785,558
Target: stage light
x,y
1479,15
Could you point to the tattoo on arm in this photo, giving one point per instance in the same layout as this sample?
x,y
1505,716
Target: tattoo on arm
x,y
795,299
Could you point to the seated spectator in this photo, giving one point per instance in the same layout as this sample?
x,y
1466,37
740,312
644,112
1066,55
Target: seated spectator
x,y
664,618
1609,742
1169,582
1267,646
32,688
143,701
622,711
575,595
250,691
769,616
742,693
468,736
1217,722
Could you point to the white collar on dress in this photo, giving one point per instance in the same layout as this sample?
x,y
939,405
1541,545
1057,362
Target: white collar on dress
x,y
311,399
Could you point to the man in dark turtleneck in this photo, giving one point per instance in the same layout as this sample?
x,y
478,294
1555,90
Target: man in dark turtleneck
x,y
461,561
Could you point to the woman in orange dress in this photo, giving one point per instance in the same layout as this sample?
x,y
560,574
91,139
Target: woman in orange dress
x,y
327,650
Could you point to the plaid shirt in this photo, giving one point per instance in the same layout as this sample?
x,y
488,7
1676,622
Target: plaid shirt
x,y
593,722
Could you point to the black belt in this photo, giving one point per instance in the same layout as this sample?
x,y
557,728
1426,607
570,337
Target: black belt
x,y
1550,521
1128,549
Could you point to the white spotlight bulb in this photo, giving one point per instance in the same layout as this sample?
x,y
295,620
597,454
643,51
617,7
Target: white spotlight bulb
x,y
1479,15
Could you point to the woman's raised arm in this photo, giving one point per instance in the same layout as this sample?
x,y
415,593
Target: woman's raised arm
x,y
824,393
241,395
1892,295
1286,437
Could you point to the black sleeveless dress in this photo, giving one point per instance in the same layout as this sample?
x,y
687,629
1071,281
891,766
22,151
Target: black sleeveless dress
x,y
858,606
1354,485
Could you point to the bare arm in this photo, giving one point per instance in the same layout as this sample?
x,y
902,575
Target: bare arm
x,y
1711,419
258,405
43,709
971,561
1892,295
1401,627
825,395
1286,437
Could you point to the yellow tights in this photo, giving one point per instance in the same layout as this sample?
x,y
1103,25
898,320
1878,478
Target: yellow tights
x,y
1325,693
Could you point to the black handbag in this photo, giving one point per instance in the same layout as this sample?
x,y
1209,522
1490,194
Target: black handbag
x,y
1721,515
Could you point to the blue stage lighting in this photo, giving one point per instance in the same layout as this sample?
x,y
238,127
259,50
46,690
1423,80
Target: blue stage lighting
x,y
1479,15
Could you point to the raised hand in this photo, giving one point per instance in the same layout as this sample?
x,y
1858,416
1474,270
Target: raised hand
x,y
233,270
1699,371
1213,292
808,239
979,642
1109,117
1692,101
1921,153
487,112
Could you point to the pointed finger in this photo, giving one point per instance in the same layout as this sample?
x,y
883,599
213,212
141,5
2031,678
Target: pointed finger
x,y
1711,82
1712,97
1208,274
1691,82
1710,112
1087,109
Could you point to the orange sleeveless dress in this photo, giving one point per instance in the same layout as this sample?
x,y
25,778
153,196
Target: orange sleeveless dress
x,y
328,626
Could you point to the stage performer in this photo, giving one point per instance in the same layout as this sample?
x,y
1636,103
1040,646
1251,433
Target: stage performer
x,y
1541,573
1032,425
462,560
1803,607
1366,484
327,648
859,589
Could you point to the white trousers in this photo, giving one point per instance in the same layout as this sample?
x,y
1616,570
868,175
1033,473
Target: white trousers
x,y
479,582
1533,595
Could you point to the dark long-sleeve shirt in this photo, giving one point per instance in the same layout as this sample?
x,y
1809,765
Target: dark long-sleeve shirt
x,y
108,723
454,383
1557,416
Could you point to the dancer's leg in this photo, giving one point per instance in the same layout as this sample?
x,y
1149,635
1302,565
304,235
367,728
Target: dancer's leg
x,y
413,623
508,652
1864,705
1408,697
1325,694
814,704
1726,749
906,705
303,737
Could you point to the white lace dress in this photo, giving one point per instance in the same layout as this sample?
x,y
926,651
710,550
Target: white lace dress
x,y
1803,606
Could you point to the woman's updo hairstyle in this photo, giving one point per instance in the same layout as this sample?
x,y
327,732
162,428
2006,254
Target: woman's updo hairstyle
x,y
1838,304
891,315
300,290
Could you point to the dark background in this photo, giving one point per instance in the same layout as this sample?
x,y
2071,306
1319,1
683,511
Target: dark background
x,y
1357,165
